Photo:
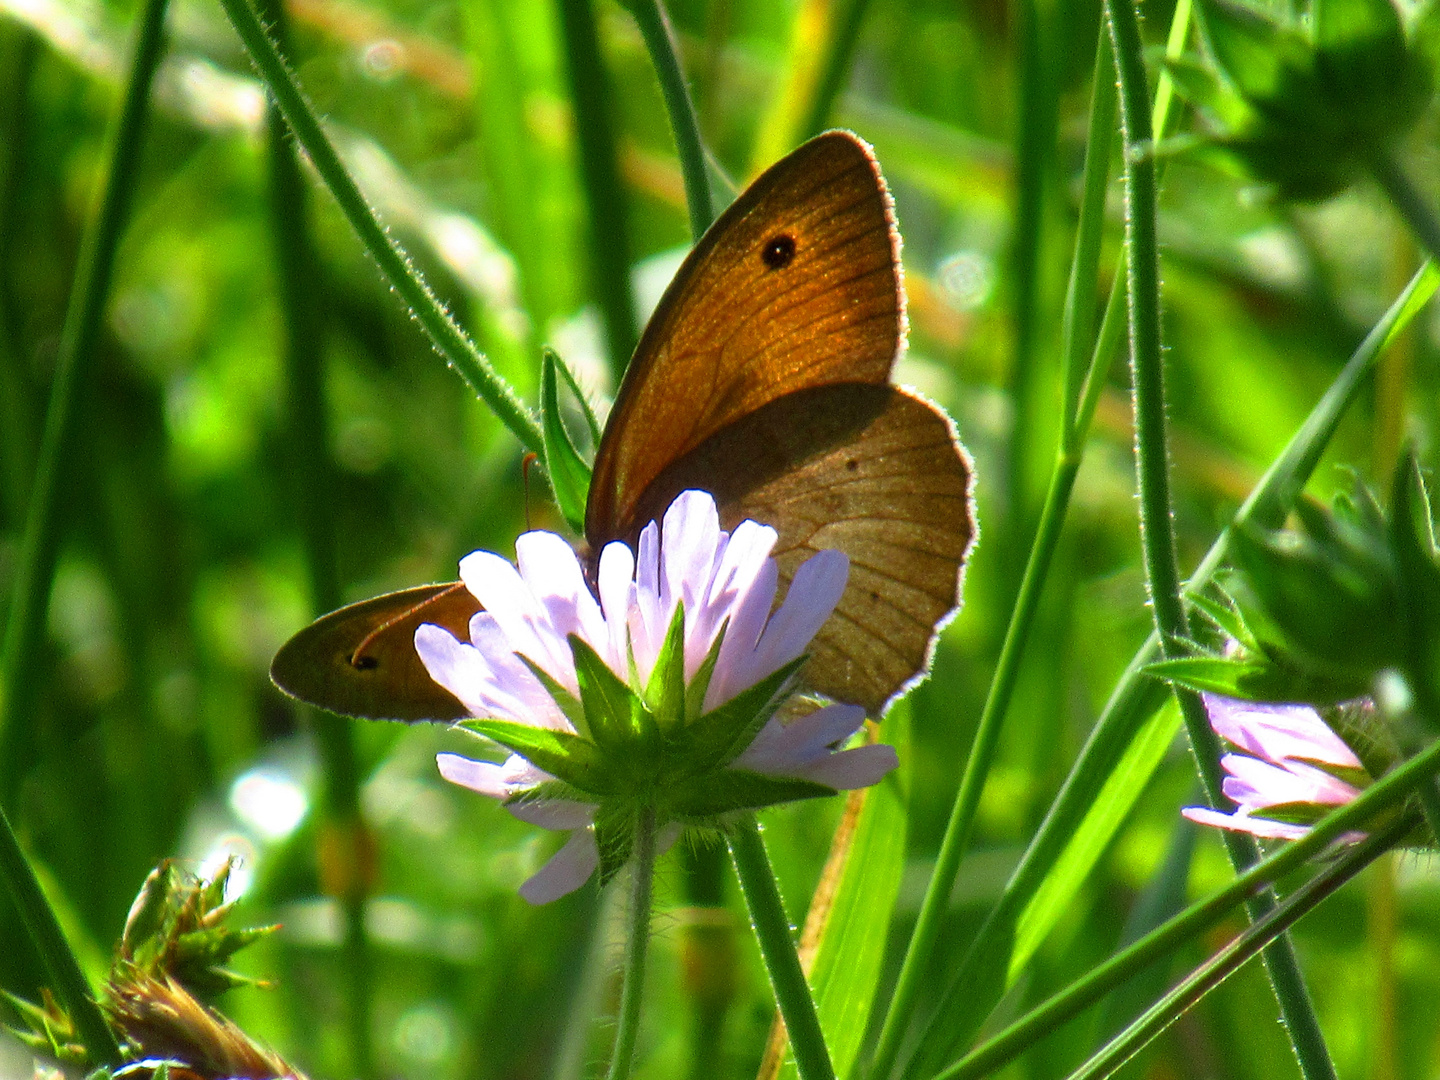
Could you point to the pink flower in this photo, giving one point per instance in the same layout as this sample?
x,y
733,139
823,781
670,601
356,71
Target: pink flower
x,y
722,580
1286,754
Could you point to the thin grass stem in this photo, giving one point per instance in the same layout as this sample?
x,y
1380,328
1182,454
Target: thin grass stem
x,y
610,256
1077,331
834,66
1235,955
1409,203
637,942
444,332
74,367
1389,792
1157,533
772,930
660,42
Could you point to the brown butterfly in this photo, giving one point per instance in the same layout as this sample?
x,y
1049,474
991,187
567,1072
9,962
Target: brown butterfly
x,y
762,378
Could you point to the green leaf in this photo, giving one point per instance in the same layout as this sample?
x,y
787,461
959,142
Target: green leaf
x,y
724,790
1224,615
722,734
569,704
590,422
846,971
1214,674
569,475
614,712
568,757
1122,789
665,692
699,686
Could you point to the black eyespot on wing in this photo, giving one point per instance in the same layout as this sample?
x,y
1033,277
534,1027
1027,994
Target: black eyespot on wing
x,y
364,663
778,251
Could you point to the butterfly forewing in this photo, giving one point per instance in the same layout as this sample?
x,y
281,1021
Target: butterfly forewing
x,y
361,660
796,285
871,471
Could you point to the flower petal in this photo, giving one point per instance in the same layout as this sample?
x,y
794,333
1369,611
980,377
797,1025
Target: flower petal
x,y
1269,830
814,591
559,814
552,571
499,781
851,769
689,538
489,679
508,599
615,579
1278,731
567,870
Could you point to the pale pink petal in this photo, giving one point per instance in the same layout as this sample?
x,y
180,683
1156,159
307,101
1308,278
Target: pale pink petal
x,y
499,781
551,569
558,814
789,749
851,769
458,667
1278,731
689,538
649,618
617,595
1269,830
740,570
814,591
747,621
490,683
567,870
509,600
1257,783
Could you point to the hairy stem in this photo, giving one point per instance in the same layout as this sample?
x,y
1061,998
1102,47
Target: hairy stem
x,y
444,333
637,944
1157,533
772,930
660,42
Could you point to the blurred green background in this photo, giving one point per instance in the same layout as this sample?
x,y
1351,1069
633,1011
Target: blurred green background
x,y
157,731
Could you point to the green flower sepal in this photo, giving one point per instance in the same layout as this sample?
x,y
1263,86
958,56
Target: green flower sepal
x,y
653,747
1308,106
1321,611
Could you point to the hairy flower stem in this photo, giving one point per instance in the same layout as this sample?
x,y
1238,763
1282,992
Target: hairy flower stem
x,y
660,42
444,333
1387,793
642,870
1156,525
1075,423
66,977
40,544
772,930
1137,696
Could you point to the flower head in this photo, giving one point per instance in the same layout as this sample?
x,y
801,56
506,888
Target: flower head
x,y
662,692
1286,767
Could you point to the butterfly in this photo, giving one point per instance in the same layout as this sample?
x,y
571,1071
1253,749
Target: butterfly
x,y
762,378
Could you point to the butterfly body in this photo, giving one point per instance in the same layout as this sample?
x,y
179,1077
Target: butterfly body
x,y
762,378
